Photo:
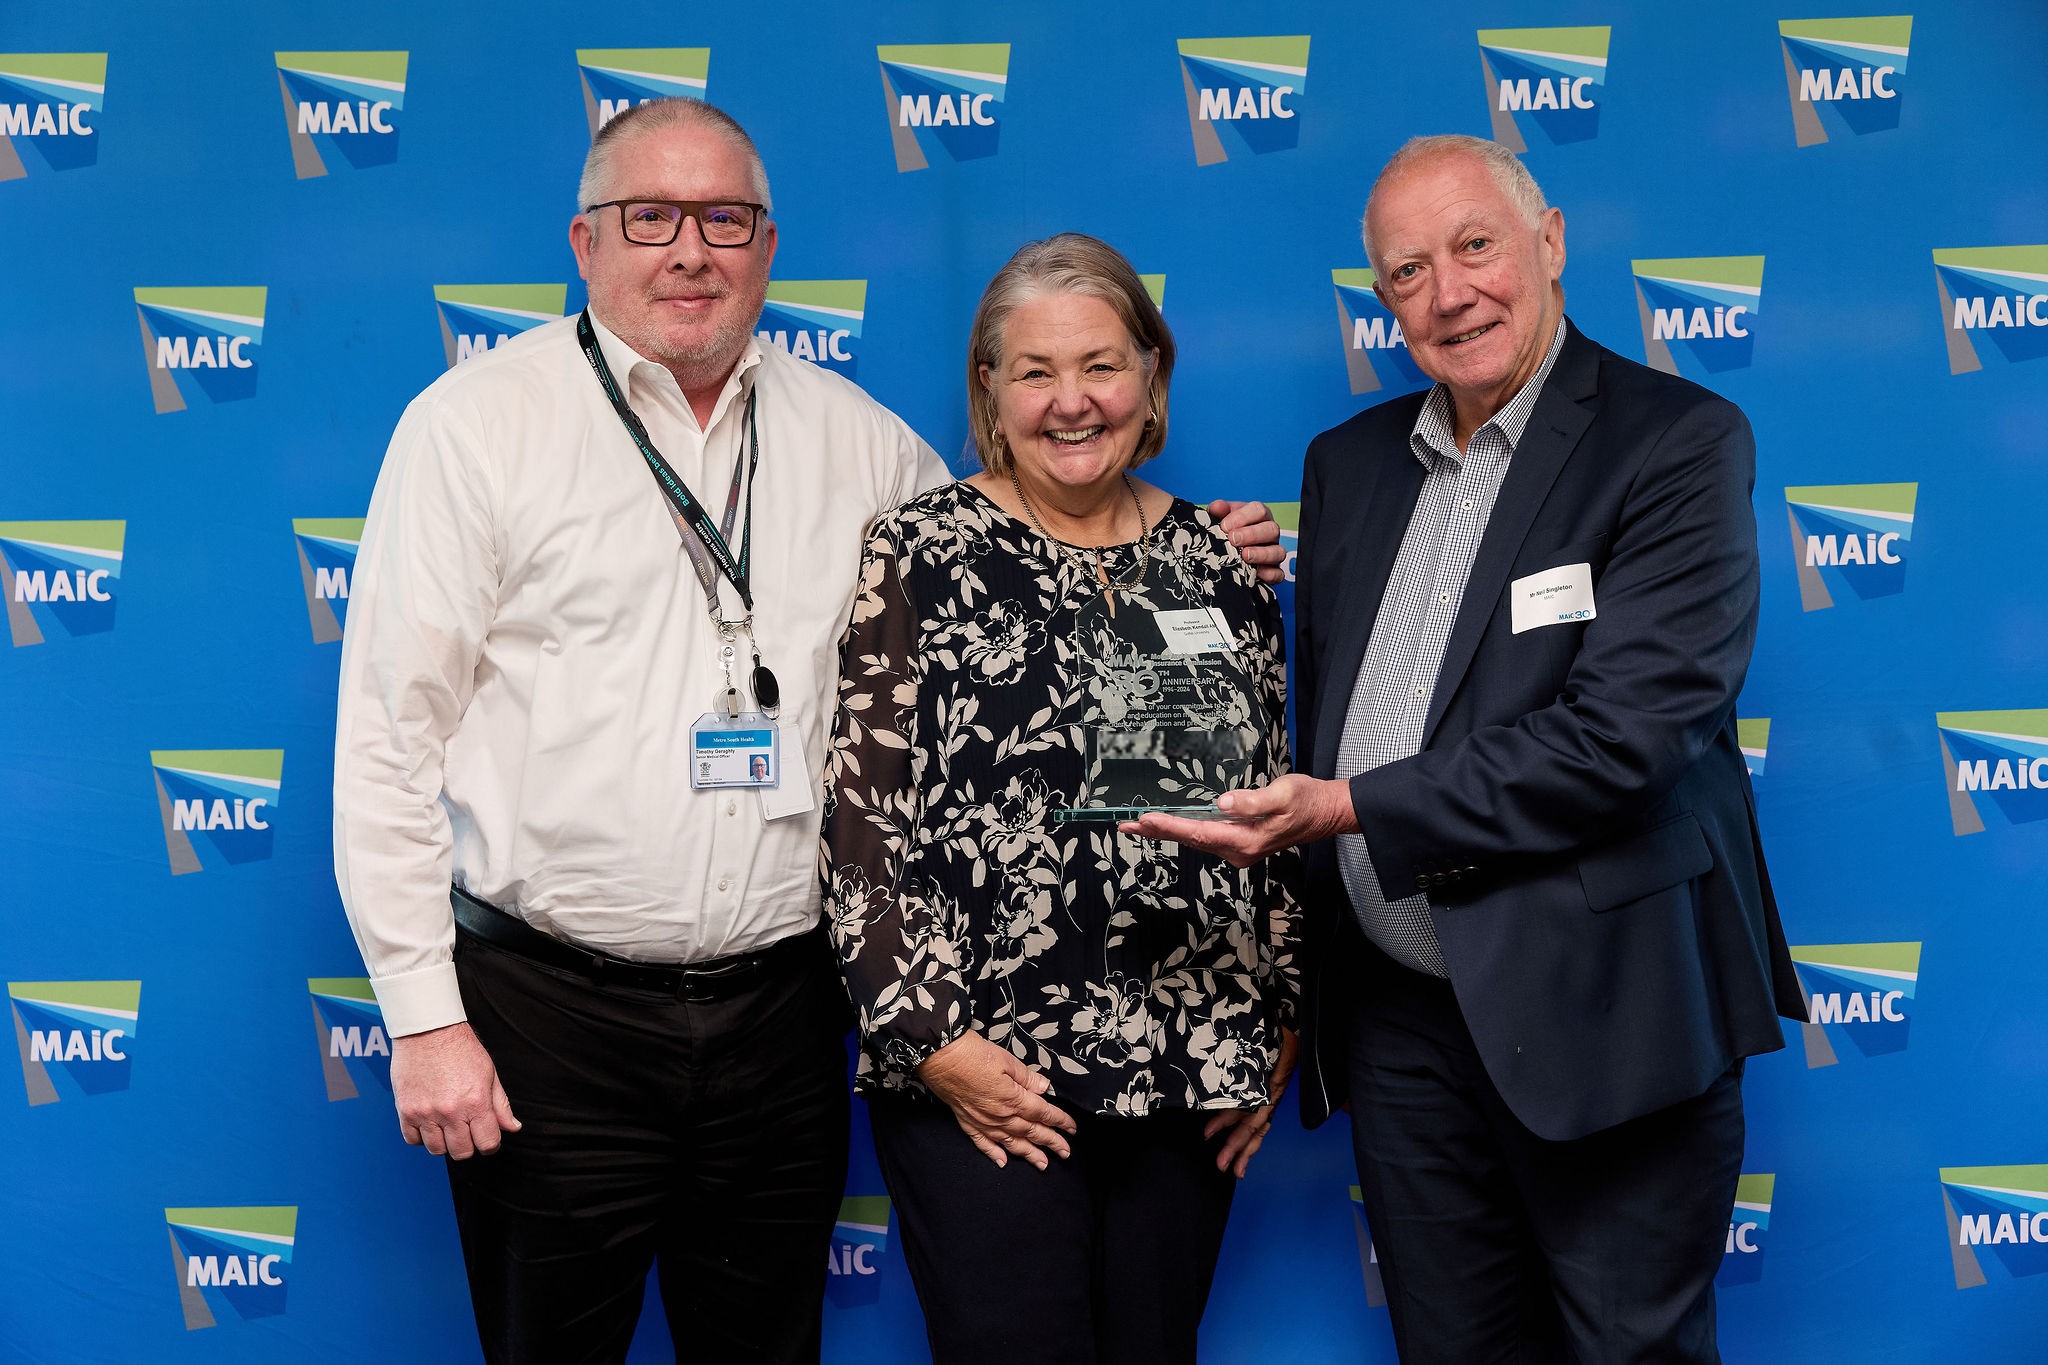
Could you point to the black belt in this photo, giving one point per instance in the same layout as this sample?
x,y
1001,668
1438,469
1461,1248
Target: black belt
x,y
697,981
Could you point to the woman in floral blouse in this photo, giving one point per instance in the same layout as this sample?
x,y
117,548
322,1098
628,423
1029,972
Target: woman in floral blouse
x,y
1072,1039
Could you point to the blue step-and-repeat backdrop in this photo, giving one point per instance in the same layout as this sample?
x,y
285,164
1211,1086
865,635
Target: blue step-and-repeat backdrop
x,y
238,237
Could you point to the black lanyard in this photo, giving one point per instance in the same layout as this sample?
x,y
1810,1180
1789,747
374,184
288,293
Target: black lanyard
x,y
705,537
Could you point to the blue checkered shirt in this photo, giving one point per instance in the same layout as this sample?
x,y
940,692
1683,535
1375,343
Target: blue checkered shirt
x,y
1398,678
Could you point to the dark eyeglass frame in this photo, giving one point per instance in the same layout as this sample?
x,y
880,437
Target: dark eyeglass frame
x,y
691,208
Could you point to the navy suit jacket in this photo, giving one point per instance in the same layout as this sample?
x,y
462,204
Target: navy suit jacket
x,y
1579,815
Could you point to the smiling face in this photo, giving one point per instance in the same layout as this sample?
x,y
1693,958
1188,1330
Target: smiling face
x,y
687,306
1070,391
1472,282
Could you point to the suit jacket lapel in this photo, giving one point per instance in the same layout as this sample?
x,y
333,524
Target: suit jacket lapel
x,y
1564,409
1392,484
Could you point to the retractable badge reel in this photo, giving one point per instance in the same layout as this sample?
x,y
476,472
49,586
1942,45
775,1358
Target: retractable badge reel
x,y
730,747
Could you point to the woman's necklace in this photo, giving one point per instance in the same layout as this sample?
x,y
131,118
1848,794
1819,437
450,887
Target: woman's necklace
x,y
1109,586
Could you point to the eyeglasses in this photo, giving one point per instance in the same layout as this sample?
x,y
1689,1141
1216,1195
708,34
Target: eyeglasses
x,y
655,222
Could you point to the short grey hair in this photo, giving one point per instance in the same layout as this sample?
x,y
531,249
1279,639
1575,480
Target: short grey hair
x,y
652,117
1069,263
1510,176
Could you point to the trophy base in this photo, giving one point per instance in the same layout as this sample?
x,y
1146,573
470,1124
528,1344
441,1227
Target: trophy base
x,y
1085,815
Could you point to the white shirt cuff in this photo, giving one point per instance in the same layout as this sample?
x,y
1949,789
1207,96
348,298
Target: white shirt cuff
x,y
416,1001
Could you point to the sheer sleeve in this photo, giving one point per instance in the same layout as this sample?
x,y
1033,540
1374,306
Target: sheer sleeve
x,y
1280,936
900,950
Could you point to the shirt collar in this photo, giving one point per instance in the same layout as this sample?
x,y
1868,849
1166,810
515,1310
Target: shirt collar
x,y
1432,436
629,363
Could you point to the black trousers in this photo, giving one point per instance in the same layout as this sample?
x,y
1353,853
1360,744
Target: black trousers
x,y
708,1138
1102,1259
1496,1245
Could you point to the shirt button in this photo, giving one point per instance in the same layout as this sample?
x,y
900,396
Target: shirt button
x,y
732,808
1443,597
1418,691
1467,504
723,883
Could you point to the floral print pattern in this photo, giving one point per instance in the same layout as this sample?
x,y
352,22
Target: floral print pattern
x,y
1136,976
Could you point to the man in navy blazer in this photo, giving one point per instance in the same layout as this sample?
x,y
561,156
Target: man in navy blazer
x,y
1526,601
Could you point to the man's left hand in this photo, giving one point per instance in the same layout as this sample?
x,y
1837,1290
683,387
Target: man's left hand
x,y
1256,535
1293,810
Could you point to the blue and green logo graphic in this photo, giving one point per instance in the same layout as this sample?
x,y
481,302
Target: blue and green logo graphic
x,y
816,320
201,345
1368,1255
327,561
51,101
617,78
1997,1218
341,108
1155,289
482,317
1997,767
1754,736
1543,83
1842,75
1287,516
217,804
860,1239
75,1036
59,577
1375,353
1700,307
1742,1262
1850,536
1994,304
1856,993
1243,94
944,100
355,1052
231,1259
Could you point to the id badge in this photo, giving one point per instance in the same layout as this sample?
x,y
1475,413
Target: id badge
x,y
739,752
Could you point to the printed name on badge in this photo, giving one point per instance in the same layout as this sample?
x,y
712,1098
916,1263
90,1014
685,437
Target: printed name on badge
x,y
1554,597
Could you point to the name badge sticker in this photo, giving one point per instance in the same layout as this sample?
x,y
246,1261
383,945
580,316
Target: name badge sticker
x,y
734,753
1192,632
1554,597
794,796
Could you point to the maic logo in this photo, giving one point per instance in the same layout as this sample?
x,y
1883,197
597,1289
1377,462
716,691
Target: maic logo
x,y
51,101
860,1238
1842,75
476,318
1850,536
341,104
1375,353
1742,1261
1543,80
1287,516
1997,766
232,1258
218,800
2002,1210
944,99
327,561
201,344
74,1036
355,1052
59,576
1243,94
1994,294
816,320
617,78
1856,993
1754,738
1704,306
1368,1255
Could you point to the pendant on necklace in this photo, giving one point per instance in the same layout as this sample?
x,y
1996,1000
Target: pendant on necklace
x,y
1108,590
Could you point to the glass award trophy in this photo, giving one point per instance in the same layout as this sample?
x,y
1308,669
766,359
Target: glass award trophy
x,y
1173,718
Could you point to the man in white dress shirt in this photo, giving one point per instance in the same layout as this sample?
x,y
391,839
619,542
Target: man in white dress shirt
x,y
628,1007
